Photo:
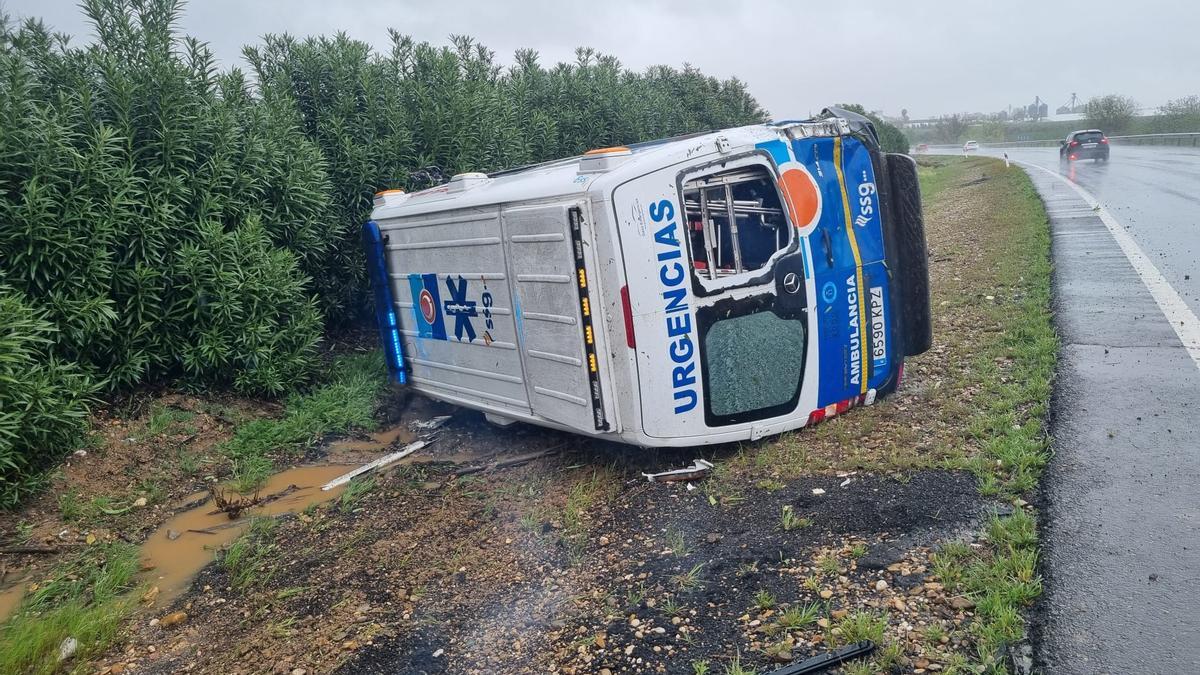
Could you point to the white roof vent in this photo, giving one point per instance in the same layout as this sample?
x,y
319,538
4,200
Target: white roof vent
x,y
604,159
390,198
466,181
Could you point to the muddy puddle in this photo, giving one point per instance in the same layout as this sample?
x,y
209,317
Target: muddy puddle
x,y
189,541
11,597
180,547
374,443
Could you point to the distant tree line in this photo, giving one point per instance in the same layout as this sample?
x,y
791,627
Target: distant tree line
x,y
1112,113
160,218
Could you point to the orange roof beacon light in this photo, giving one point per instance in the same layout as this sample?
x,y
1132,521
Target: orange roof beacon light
x,y
600,160
389,197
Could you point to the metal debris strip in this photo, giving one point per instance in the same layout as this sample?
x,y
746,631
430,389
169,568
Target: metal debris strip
x,y
823,662
700,468
377,464
430,424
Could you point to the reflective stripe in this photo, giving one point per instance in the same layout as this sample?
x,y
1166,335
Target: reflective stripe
x,y
858,266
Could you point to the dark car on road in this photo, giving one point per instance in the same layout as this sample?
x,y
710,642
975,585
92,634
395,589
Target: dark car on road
x,y
1085,144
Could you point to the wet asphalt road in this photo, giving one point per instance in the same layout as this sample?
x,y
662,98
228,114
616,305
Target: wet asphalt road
x,y
1121,528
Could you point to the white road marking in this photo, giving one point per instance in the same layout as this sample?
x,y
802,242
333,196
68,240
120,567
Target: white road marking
x,y
1178,314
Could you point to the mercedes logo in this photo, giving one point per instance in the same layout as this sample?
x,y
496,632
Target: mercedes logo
x,y
791,282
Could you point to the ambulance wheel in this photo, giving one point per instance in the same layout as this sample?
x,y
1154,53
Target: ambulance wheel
x,y
913,258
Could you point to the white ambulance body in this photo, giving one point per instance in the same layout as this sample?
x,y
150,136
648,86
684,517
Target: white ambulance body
x,y
712,288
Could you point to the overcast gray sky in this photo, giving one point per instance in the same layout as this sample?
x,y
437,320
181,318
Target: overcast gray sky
x,y
931,57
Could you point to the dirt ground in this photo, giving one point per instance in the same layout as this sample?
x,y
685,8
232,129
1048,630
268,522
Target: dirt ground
x,y
570,561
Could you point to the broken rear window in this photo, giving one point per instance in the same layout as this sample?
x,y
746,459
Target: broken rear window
x,y
735,221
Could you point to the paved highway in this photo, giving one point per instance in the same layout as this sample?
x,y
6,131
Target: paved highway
x,y
1154,193
1121,507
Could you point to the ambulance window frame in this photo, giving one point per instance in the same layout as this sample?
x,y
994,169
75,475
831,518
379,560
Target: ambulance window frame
x,y
760,275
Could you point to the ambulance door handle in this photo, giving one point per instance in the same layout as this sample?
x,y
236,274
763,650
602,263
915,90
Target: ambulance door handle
x,y
827,241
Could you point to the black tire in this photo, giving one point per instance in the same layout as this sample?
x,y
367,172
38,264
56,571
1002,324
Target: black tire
x,y
913,259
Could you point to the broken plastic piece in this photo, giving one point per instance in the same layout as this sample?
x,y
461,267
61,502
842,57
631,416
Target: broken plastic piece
x,y
827,660
377,464
699,469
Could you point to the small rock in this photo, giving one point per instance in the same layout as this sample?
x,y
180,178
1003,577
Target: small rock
x,y
881,585
712,537
299,671
67,649
921,663
604,541
91,539
350,645
139,502
605,671
839,613
601,639
818,491
932,586
634,621
439,653
755,623
899,604
150,595
823,622
173,618
826,594
629,650
659,630
80,453
961,602
172,535
153,622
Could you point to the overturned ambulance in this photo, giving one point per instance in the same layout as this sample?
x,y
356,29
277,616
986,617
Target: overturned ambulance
x,y
710,288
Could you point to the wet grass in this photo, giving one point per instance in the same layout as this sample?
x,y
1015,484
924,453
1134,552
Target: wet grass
x,y
1015,375
248,560
347,401
86,598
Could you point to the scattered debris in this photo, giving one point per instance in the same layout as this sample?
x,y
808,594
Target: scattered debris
x,y
67,649
506,463
699,469
430,424
377,464
233,506
30,548
827,660
818,491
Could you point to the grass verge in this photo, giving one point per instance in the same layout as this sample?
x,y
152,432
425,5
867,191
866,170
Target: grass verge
x,y
348,401
976,402
86,598
1014,375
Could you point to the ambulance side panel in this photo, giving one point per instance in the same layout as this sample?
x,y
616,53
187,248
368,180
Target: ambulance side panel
x,y
558,331
456,312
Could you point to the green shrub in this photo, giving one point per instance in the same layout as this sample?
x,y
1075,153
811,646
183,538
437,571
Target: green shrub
x,y
242,312
43,401
118,158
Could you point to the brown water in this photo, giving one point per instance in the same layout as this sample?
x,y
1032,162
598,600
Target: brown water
x,y
187,542
171,563
11,597
376,442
